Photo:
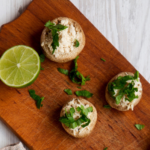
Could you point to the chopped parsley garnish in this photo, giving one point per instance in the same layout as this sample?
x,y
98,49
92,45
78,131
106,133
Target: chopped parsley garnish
x,y
76,44
125,88
55,29
42,58
84,93
70,122
105,148
68,91
76,76
106,106
37,98
103,59
63,71
139,126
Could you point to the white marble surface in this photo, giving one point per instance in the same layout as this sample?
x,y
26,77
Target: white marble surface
x,y
125,23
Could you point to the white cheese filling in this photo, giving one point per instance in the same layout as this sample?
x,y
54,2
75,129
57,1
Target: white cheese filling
x,y
67,39
123,102
77,103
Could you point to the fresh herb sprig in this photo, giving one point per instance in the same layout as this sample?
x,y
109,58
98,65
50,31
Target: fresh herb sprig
x,y
107,106
42,59
139,126
63,71
68,91
76,44
76,76
70,122
84,93
37,98
55,29
124,88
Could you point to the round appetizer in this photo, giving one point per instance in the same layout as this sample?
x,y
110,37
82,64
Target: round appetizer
x,y
62,39
124,91
78,117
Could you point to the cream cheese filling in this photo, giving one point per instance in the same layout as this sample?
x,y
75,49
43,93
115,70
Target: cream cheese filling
x,y
67,39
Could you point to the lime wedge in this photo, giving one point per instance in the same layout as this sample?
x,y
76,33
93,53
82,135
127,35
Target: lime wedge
x,y
19,66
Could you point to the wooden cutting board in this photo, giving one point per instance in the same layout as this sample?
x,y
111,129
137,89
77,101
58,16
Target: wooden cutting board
x,y
40,129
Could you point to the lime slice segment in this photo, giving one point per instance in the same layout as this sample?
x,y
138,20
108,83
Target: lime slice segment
x,y
19,66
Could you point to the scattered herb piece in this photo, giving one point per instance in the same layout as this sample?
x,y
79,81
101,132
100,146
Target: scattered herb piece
x,y
37,98
68,91
76,76
76,43
103,59
42,57
69,121
79,87
106,106
55,29
139,126
125,88
84,93
105,148
63,71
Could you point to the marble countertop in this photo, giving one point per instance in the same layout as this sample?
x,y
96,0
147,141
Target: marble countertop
x,y
125,23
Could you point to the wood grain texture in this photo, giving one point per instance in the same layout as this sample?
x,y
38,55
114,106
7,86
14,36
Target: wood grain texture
x,y
101,66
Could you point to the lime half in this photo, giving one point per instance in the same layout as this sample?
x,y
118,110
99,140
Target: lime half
x,y
19,66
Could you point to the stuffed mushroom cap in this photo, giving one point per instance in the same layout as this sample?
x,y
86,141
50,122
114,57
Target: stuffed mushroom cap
x,y
124,105
79,131
67,49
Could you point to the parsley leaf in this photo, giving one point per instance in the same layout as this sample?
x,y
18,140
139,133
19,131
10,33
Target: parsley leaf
x,y
68,91
124,88
55,29
76,76
103,59
84,93
37,98
139,126
76,43
105,148
63,71
106,106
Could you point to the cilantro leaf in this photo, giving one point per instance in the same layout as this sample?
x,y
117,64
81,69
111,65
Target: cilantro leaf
x,y
84,93
63,71
136,75
41,68
139,126
68,91
76,43
37,98
103,59
106,106
78,87
76,76
55,29
42,57
49,23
